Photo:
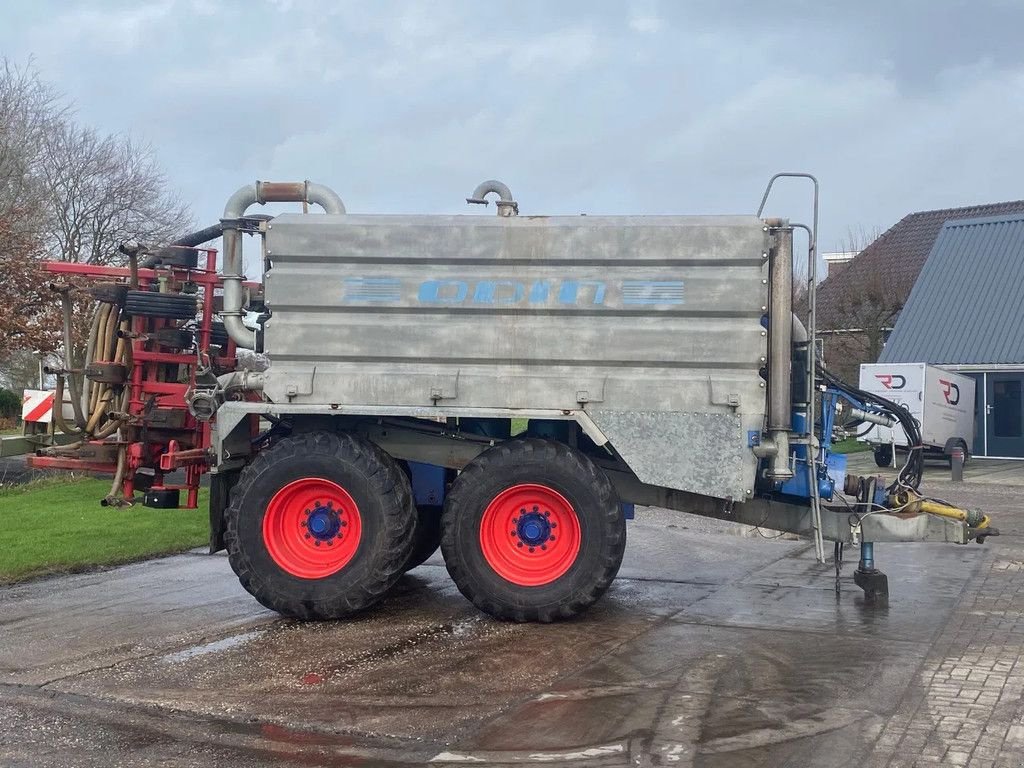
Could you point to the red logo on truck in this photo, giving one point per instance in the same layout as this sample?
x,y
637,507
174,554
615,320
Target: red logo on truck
x,y
891,380
950,391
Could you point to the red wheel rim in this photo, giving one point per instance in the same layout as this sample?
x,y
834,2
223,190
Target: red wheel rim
x,y
312,528
530,535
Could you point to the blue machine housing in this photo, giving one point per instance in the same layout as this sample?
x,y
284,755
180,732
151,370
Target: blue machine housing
x,y
831,471
831,467
830,474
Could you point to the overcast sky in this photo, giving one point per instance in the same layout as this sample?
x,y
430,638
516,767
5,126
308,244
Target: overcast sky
x,y
601,107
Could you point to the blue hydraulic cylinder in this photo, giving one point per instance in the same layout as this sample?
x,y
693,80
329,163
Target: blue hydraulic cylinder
x,y
867,556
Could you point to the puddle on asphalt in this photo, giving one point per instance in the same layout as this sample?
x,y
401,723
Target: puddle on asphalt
x,y
215,646
462,629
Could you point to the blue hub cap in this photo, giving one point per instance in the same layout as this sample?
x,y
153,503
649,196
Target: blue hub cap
x,y
323,523
533,528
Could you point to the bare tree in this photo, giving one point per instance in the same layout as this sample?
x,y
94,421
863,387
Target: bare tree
x,y
29,319
864,305
858,238
29,111
21,370
67,193
101,191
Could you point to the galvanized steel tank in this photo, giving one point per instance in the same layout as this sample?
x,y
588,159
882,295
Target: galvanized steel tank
x,y
649,324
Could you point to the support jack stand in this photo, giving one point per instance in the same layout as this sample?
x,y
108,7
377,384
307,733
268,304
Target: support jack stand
x,y
875,585
837,558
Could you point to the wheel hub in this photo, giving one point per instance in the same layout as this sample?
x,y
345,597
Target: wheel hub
x,y
324,523
312,528
533,528
530,534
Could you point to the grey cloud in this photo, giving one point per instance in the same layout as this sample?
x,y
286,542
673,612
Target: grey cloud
x,y
614,107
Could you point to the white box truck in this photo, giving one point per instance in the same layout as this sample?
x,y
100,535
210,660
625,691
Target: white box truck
x,y
941,401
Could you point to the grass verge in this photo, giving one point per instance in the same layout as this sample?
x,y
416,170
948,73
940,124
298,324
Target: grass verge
x,y
850,445
59,527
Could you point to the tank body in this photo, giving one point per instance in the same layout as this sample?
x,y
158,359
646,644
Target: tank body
x,y
650,325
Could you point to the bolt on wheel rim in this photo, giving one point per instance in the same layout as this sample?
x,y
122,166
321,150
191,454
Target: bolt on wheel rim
x,y
312,528
530,535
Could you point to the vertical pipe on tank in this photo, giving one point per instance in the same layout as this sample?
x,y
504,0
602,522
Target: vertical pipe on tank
x,y
780,350
231,272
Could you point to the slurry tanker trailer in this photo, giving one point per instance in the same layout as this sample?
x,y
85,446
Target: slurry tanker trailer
x,y
504,387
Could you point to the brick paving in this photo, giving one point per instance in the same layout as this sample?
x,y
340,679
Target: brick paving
x,y
966,707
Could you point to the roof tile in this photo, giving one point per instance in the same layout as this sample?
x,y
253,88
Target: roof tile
x,y
896,258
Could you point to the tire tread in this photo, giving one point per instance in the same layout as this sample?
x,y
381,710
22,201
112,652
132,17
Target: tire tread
x,y
554,453
396,500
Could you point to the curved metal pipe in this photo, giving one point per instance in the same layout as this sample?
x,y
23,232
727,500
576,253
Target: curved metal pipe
x,y
799,331
261,192
506,205
251,381
486,187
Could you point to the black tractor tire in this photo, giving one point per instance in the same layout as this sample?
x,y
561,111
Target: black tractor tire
x,y
428,527
174,306
428,536
386,519
112,293
559,582
962,444
173,256
218,334
883,456
174,338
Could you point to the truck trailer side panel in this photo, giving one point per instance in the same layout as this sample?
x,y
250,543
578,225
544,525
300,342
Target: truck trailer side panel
x,y
948,406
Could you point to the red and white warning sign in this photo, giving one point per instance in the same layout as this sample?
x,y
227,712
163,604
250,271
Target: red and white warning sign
x,y
37,405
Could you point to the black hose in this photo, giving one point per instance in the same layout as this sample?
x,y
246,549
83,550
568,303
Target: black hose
x,y
912,472
199,237
864,433
850,427
191,240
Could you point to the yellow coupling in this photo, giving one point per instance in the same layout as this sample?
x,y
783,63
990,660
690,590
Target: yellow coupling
x,y
913,503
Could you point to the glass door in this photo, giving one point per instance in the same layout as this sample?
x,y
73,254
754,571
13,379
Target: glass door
x,y
1005,414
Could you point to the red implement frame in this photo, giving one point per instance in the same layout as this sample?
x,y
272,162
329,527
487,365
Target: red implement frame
x,y
161,435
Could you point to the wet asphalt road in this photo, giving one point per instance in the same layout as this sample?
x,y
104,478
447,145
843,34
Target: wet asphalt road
x,y
711,649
